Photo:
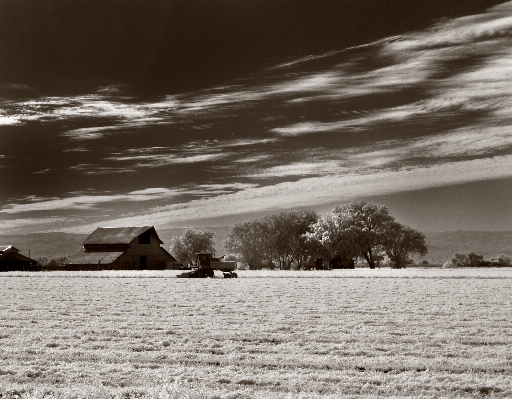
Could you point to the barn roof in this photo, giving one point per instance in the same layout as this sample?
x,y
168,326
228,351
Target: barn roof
x,y
168,254
4,248
117,235
83,257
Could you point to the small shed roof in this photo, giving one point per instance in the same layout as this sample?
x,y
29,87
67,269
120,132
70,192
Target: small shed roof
x,y
83,257
12,254
4,248
117,235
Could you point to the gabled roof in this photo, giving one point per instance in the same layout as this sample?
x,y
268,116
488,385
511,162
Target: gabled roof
x,y
117,235
11,253
83,257
4,248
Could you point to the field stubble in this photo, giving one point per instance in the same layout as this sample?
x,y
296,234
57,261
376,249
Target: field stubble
x,y
315,337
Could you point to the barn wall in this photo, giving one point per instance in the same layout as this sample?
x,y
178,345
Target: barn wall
x,y
13,265
130,260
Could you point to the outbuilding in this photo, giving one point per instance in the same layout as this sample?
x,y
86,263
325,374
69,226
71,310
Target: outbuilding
x,y
12,260
122,248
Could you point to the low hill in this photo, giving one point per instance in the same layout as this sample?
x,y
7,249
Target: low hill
x,y
441,245
45,245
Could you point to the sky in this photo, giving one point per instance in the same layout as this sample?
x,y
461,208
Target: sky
x,y
207,113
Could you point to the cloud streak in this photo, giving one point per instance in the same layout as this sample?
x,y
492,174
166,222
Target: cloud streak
x,y
333,189
89,201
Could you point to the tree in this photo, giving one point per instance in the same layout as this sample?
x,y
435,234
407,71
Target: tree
x,y
329,238
402,241
272,240
185,247
365,226
468,260
249,241
459,260
504,260
365,230
449,264
287,241
475,260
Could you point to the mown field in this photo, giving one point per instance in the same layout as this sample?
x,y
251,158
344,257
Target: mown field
x,y
344,334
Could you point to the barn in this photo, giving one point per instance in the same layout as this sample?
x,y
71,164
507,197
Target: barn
x,y
12,260
122,248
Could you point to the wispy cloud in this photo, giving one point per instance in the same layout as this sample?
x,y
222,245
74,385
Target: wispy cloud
x,y
319,168
9,120
254,159
159,160
463,143
36,224
420,60
97,169
189,153
89,133
410,61
305,192
84,202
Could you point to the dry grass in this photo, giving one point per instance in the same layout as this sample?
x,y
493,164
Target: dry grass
x,y
413,272
444,334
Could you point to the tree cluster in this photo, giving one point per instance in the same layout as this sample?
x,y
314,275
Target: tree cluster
x,y
274,241
358,230
504,260
472,259
368,231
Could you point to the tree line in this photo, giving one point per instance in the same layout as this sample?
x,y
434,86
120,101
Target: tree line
x,y
360,230
473,259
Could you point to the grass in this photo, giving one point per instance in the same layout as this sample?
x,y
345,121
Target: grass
x,y
416,272
442,333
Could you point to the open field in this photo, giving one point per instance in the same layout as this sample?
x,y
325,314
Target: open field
x,y
413,272
382,333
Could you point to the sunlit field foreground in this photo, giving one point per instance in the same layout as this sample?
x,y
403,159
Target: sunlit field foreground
x,y
357,333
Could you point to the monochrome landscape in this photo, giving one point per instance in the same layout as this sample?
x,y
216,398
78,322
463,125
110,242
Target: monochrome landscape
x,y
375,126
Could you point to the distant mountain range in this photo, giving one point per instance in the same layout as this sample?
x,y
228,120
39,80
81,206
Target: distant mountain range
x,y
441,245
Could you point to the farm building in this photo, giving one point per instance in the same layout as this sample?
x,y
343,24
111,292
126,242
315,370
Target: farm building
x,y
122,248
12,260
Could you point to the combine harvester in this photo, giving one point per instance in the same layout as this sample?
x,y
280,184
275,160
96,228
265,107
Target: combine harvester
x,y
206,266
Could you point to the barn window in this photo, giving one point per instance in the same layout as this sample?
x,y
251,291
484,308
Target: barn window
x,y
145,238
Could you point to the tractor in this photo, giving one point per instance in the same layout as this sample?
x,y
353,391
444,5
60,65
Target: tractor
x,y
206,266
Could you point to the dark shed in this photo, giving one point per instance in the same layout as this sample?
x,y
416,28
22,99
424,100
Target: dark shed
x,y
12,260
